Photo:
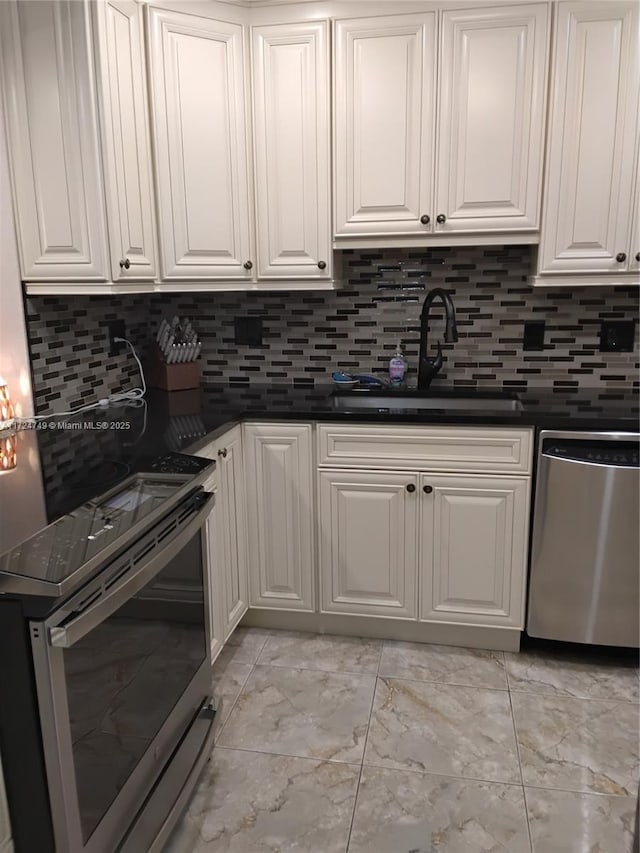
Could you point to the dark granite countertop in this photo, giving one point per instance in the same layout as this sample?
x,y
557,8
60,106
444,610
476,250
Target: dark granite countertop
x,y
592,410
59,469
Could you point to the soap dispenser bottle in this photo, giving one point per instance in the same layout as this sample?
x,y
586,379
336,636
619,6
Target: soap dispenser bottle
x,y
397,367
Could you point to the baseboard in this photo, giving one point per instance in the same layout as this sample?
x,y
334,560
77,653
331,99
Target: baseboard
x,y
471,636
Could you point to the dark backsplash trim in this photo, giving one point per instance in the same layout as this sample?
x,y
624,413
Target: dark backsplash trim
x,y
309,334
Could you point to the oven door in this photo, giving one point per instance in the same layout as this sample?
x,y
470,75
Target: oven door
x,y
122,671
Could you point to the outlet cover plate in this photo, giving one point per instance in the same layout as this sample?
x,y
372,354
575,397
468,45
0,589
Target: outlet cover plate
x,y
116,329
533,335
248,331
617,335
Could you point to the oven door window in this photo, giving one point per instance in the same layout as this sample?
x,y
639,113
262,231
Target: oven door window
x,y
126,675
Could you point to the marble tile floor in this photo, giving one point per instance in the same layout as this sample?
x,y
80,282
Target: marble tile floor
x,y
348,744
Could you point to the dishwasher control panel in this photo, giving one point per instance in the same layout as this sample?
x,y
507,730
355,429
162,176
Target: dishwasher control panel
x,y
623,453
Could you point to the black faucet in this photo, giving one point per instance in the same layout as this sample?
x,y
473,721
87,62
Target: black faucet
x,y
428,367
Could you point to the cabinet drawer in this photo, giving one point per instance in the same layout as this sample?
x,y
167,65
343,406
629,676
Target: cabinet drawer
x,y
446,448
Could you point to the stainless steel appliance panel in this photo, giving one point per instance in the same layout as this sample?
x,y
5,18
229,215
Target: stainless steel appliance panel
x,y
122,671
585,560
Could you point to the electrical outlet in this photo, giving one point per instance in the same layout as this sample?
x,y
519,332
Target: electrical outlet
x,y
617,335
248,331
116,330
533,337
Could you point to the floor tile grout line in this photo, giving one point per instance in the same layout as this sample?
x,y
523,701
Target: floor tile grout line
x,y
532,787
234,703
524,793
443,775
386,677
315,668
526,817
557,695
316,758
364,747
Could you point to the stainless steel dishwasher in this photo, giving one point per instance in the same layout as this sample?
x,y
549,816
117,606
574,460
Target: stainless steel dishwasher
x,y
585,556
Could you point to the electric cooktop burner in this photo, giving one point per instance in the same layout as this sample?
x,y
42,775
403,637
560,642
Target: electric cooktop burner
x,y
45,564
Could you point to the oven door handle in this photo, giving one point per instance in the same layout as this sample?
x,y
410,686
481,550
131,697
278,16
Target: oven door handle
x,y
64,636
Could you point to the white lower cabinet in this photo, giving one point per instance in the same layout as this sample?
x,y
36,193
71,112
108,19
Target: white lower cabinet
x,y
413,546
446,546
214,559
233,524
473,554
227,548
280,515
368,542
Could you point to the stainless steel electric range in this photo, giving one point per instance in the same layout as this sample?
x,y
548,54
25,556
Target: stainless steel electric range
x,y
106,712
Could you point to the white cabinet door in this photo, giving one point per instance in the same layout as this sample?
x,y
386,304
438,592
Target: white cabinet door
x,y
198,106
215,555
291,127
592,138
493,78
280,515
473,549
384,124
368,544
634,237
234,530
52,127
5,827
126,142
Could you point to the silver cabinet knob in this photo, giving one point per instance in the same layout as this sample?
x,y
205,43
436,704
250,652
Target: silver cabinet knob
x,y
125,263
322,265
248,265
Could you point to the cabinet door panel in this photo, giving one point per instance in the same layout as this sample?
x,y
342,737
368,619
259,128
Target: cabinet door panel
x,y
201,147
491,121
368,543
280,516
127,147
291,117
384,123
634,237
234,522
214,549
474,549
592,138
52,127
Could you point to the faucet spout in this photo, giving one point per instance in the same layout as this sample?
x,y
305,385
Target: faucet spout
x,y
429,367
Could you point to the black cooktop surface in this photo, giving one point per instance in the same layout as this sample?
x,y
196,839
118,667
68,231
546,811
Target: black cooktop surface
x,y
44,562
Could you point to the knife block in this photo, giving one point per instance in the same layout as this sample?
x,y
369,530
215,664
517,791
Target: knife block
x,y
172,377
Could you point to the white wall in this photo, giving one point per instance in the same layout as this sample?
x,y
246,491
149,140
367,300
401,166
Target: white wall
x,y
21,498
14,356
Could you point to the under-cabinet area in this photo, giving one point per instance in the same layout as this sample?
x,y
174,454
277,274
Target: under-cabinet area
x,y
393,528
323,126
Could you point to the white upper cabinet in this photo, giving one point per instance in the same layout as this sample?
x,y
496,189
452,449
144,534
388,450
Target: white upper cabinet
x,y
634,237
591,159
198,105
291,131
385,77
493,75
126,144
53,139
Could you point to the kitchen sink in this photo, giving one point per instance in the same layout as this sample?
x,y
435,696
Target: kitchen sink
x,y
478,402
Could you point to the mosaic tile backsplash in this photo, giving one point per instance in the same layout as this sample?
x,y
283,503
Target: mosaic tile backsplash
x,y
308,334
